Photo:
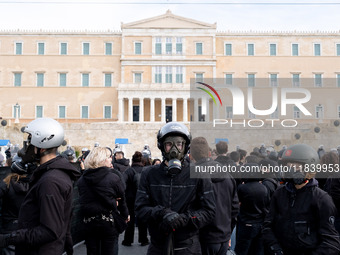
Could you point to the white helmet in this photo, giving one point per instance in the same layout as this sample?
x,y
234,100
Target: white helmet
x,y
45,133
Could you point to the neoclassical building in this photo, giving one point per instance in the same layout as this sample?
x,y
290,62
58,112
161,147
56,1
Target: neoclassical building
x,y
142,74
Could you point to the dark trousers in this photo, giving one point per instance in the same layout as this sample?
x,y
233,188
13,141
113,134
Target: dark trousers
x,y
101,238
249,239
130,230
214,248
194,248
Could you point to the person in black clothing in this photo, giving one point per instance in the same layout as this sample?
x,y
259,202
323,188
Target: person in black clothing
x,y
99,192
254,203
301,216
132,181
45,214
13,190
215,236
120,163
269,180
174,205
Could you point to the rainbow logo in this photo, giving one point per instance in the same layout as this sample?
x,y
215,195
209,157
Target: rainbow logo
x,y
209,93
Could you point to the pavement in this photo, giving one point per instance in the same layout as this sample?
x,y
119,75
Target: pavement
x,y
135,249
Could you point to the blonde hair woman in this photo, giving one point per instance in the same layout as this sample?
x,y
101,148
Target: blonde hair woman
x,y
99,191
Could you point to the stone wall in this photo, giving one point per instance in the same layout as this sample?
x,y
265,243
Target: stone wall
x,y
81,135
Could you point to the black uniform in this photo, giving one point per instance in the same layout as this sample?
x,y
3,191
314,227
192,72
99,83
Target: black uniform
x,y
181,194
121,164
301,222
45,214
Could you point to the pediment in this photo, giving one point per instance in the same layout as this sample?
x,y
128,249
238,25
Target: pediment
x,y
168,21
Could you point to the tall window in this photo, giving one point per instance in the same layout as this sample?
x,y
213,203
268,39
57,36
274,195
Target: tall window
x,y
86,48
251,115
63,48
39,111
108,80
168,45
179,45
338,49
62,112
229,79
18,48
158,46
41,48
107,111
295,49
40,79
338,80
297,113
137,77
168,74
199,48
108,48
138,48
229,112
158,74
251,80
228,49
85,81
273,80
199,77
17,79
319,111
251,49
84,112
179,74
318,80
338,111
317,49
296,80
62,79
272,47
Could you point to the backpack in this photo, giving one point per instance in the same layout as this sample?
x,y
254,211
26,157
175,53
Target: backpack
x,y
136,178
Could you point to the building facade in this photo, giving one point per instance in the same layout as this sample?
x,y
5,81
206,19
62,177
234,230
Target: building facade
x,y
142,74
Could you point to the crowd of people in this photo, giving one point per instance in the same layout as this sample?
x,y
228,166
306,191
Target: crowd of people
x,y
292,211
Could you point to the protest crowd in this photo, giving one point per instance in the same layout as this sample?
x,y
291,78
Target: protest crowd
x,y
293,210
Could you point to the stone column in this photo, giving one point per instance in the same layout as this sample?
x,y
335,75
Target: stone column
x,y
141,110
121,109
185,110
130,109
174,109
163,110
195,109
152,110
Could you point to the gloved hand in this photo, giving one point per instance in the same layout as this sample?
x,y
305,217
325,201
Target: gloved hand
x,y
172,221
4,238
276,250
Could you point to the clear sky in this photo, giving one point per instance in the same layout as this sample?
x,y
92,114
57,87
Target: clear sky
x,y
232,15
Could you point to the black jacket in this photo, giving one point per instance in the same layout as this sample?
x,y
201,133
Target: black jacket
x,y
12,198
45,214
301,221
121,164
254,201
227,207
128,175
99,189
181,194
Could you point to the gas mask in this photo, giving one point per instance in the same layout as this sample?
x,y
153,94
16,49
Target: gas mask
x,y
174,147
295,176
27,153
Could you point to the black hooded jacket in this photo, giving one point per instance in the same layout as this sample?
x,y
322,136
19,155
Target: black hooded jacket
x,y
301,221
12,198
121,164
227,207
182,194
45,214
99,189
